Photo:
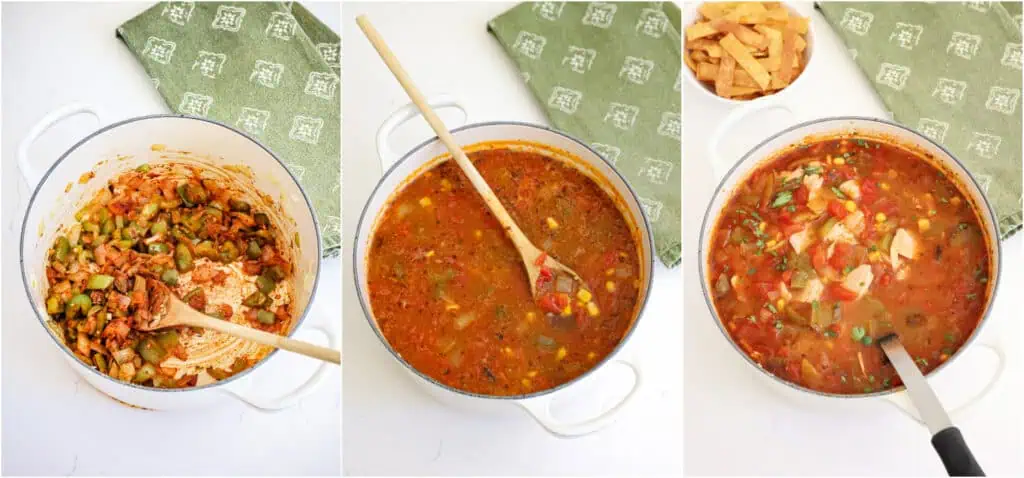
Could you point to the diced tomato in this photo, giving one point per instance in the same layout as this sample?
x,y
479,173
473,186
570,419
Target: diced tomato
x,y
790,229
836,291
884,279
787,275
610,258
837,210
763,288
841,256
549,302
819,257
541,259
868,192
801,194
544,277
886,206
869,225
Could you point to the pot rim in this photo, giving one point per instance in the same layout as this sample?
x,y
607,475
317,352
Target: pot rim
x,y
64,349
510,398
748,156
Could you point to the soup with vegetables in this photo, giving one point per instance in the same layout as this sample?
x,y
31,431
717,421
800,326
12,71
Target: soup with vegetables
x,y
159,230
836,243
451,296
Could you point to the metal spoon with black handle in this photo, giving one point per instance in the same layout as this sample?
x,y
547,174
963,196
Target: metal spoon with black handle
x,y
946,439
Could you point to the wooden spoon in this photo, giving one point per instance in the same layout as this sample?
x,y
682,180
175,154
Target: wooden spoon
x,y
946,439
534,259
177,313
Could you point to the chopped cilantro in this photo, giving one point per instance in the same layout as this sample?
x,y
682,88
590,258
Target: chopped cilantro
x,y
772,308
839,194
778,325
782,198
791,208
752,319
857,333
922,361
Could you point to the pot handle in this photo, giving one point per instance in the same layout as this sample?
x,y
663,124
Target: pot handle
x,y
719,165
292,397
29,172
902,400
403,115
540,409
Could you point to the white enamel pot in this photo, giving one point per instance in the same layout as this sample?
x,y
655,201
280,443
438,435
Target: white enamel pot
x,y
732,172
398,171
112,149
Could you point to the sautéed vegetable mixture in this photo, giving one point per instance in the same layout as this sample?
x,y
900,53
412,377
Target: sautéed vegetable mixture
x,y
450,294
154,231
837,243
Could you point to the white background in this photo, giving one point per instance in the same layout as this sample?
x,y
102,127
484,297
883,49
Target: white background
x,y
390,425
734,424
54,423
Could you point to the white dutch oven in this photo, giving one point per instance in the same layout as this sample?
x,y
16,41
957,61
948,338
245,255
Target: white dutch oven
x,y
731,175
121,146
538,405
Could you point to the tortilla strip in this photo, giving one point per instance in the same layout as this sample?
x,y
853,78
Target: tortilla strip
x,y
780,14
700,30
726,70
710,46
742,33
734,48
774,47
713,10
750,12
734,91
707,71
690,63
788,55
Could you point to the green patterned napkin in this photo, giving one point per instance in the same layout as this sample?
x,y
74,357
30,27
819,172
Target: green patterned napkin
x,y
953,72
608,73
271,69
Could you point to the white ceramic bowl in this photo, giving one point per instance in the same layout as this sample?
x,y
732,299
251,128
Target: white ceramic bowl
x,y
121,146
431,152
767,150
690,15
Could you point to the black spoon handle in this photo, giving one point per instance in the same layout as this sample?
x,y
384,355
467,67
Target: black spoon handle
x,y
955,455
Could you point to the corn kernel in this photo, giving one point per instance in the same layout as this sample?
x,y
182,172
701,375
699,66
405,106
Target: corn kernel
x,y
955,201
591,356
780,304
526,383
923,224
734,281
592,309
829,345
567,311
531,373
552,223
884,186
771,243
446,185
850,206
478,234
609,271
530,316
450,307
874,256
893,174
761,226
839,161
828,159
425,201
584,295
609,286
880,217
429,253
508,351
561,353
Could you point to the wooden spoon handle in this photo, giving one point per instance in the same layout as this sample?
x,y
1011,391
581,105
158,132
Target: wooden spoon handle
x,y
265,338
526,248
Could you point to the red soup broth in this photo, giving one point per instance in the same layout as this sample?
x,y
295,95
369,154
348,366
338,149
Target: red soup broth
x,y
451,296
837,243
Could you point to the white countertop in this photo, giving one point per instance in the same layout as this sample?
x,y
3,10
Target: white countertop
x,y
54,423
390,426
737,426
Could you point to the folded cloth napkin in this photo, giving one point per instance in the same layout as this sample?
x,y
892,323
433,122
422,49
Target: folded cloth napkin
x,y
270,69
608,74
953,72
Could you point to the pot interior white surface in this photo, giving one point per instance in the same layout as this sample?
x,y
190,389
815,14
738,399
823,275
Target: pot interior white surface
x,y
834,126
431,153
126,145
